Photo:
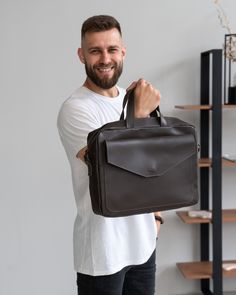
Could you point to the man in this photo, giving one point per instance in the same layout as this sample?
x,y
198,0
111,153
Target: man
x,y
112,256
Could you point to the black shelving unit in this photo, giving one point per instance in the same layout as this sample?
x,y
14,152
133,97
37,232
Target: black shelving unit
x,y
209,269
211,89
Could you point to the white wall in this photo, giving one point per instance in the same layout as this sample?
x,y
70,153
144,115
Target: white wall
x,y
39,69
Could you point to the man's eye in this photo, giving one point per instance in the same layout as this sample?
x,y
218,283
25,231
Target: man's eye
x,y
95,51
113,50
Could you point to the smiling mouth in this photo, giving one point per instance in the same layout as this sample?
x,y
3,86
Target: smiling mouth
x,y
105,69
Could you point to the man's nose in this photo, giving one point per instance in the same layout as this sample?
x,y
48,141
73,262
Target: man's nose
x,y
105,57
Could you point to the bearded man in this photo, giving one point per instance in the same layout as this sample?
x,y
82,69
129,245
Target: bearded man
x,y
112,256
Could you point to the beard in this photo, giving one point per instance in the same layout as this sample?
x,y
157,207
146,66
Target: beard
x,y
104,83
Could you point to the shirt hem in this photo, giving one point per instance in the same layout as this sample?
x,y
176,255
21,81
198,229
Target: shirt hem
x,y
116,269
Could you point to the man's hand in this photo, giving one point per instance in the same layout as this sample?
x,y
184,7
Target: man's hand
x,y
81,154
158,223
147,98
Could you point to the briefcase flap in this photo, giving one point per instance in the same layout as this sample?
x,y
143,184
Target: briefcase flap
x,y
149,157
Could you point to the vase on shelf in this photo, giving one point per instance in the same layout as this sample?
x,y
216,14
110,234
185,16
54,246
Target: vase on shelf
x,y
232,95
230,69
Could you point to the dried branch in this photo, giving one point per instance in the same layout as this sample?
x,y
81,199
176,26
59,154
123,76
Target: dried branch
x,y
224,21
230,51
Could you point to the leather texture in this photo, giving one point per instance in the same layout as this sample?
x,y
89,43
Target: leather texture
x,y
142,165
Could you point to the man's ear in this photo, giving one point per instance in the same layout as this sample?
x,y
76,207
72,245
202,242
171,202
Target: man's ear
x,y
123,51
81,55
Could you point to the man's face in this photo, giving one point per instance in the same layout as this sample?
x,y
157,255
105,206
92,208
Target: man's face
x,y
103,54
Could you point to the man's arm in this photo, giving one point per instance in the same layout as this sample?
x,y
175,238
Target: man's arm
x,y
147,99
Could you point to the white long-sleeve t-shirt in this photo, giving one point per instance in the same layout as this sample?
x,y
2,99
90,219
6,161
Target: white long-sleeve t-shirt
x,y
102,245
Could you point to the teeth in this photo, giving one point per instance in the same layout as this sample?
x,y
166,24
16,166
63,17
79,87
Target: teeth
x,y
104,70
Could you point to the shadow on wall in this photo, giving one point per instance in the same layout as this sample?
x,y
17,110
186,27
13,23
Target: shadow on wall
x,y
181,79
168,274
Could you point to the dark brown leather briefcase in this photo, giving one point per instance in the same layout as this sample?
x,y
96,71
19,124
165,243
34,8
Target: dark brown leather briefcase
x,y
142,165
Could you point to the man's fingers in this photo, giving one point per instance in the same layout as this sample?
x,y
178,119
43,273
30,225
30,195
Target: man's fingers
x,y
132,86
140,82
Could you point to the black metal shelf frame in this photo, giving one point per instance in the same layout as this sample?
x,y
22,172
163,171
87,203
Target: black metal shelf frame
x,y
211,88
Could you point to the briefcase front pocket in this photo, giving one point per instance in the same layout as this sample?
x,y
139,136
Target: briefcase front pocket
x,y
140,167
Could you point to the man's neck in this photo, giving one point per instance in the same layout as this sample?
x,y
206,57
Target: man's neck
x,y
111,92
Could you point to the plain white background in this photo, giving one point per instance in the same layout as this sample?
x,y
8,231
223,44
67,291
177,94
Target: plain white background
x,y
39,69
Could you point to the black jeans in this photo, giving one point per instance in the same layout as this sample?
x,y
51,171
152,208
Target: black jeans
x,y
131,280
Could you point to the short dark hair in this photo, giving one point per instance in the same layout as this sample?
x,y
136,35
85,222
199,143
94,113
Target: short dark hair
x,y
99,23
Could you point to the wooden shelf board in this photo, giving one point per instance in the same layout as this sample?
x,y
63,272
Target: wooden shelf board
x,y
206,162
193,107
203,107
228,215
202,270
229,106
183,215
228,163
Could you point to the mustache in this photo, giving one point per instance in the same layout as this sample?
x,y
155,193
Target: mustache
x,y
105,66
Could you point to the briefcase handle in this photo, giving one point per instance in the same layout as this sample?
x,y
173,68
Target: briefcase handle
x,y
130,123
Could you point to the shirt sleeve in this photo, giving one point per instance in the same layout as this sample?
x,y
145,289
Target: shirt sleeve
x,y
74,123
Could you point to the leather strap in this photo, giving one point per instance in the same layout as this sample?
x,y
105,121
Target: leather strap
x,y
126,98
129,101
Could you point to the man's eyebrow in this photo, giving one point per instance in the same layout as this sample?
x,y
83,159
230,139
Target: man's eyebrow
x,y
114,47
94,47
99,48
